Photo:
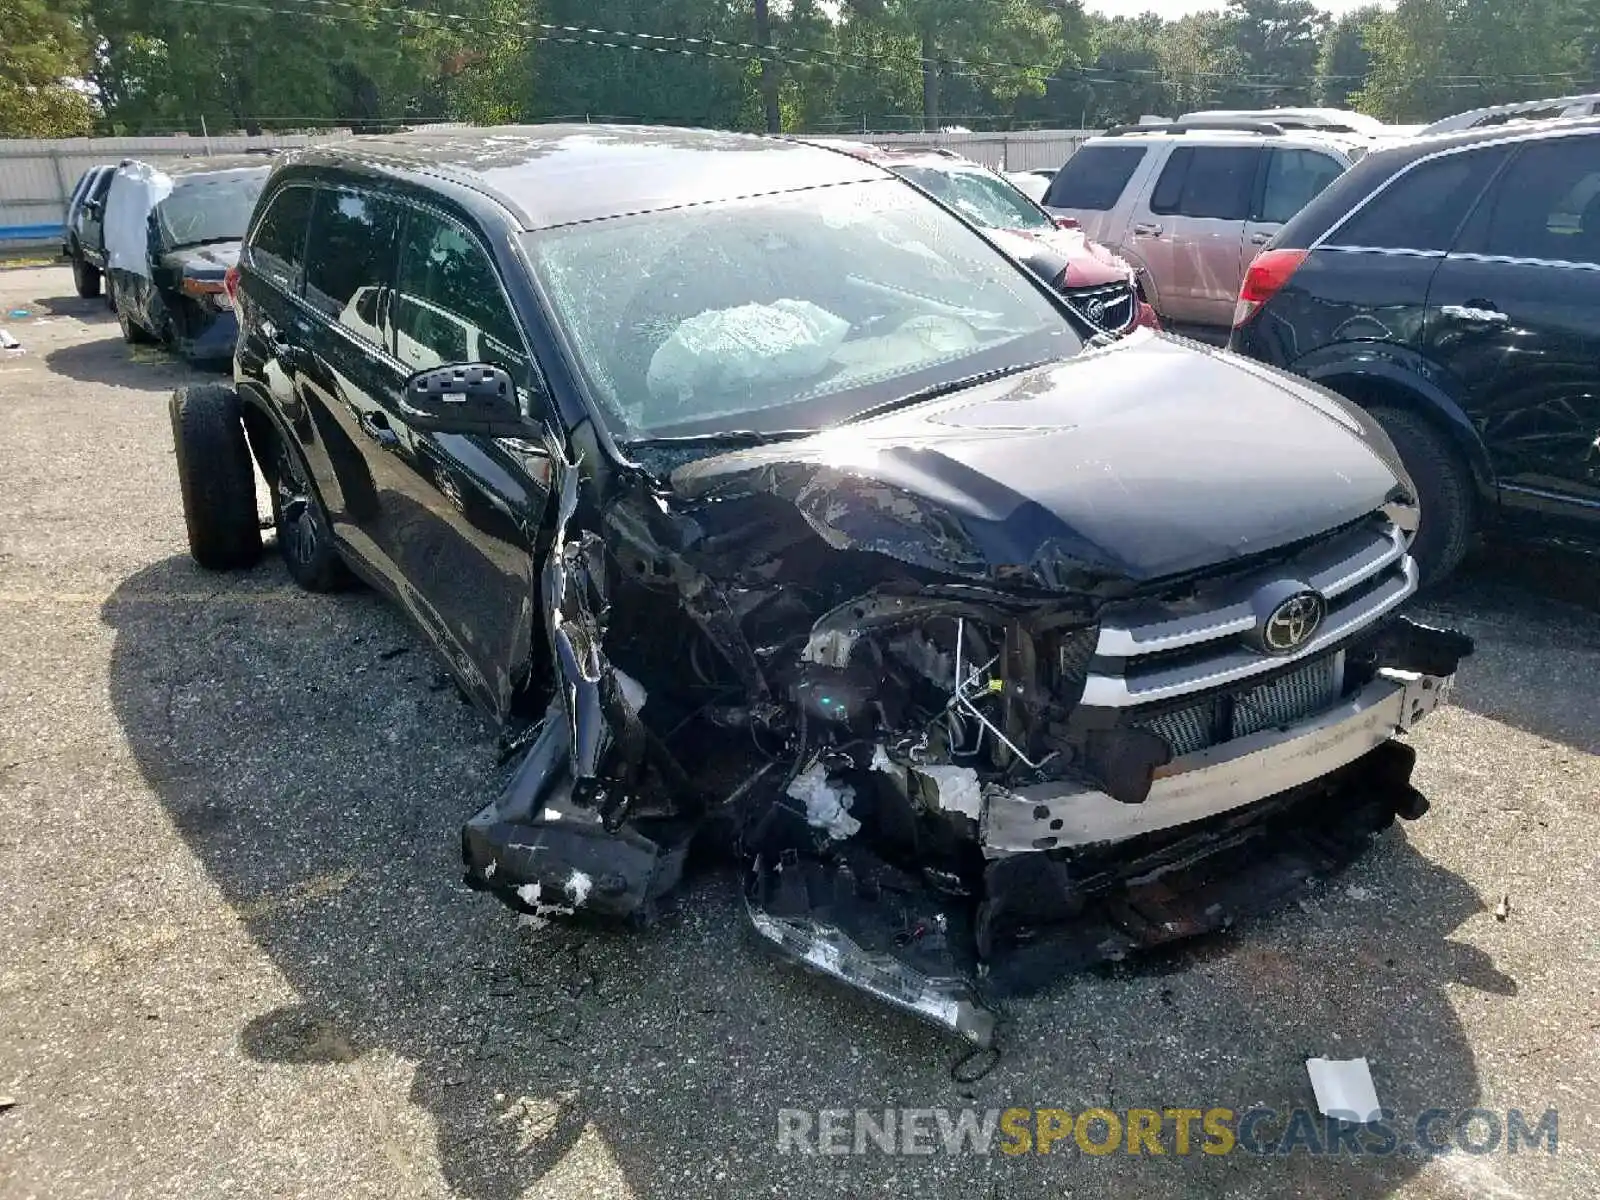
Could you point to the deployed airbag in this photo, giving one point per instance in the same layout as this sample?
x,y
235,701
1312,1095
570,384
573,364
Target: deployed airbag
x,y
730,348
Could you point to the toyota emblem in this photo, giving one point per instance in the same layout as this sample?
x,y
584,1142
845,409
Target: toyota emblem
x,y
1293,623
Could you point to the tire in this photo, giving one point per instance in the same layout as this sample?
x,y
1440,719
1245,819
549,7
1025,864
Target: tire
x,y
85,279
1444,491
216,477
305,534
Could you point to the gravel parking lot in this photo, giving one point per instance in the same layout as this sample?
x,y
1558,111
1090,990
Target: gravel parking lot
x,y
236,958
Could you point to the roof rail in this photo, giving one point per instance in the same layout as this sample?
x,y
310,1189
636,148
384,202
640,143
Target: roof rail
x,y
1203,125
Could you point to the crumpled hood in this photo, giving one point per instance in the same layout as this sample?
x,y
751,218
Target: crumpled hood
x,y
204,262
1152,458
1089,264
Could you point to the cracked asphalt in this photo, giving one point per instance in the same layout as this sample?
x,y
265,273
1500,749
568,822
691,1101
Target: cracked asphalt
x,y
236,958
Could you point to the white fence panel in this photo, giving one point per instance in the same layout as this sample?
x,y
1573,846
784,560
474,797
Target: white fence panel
x,y
37,175
1021,150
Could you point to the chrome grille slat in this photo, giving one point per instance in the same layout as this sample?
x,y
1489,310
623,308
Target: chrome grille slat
x,y
1167,651
1333,569
1120,300
1301,693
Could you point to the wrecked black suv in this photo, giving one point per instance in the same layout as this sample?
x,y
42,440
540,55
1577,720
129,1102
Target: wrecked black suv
x,y
773,511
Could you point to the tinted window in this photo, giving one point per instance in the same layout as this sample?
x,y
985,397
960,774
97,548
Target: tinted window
x,y
1094,177
451,307
1422,209
351,258
1548,205
102,184
1207,181
277,247
1294,179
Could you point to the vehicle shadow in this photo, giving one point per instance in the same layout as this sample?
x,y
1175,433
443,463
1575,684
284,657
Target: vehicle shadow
x,y
106,361
318,764
1545,609
93,311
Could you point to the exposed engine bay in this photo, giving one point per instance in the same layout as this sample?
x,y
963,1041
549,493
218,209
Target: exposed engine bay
x,y
946,783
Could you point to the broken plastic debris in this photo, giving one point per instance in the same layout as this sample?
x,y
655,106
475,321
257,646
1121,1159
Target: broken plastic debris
x,y
1503,909
632,690
957,787
827,805
1344,1089
9,344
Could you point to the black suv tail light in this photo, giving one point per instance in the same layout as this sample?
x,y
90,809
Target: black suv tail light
x,y
1264,280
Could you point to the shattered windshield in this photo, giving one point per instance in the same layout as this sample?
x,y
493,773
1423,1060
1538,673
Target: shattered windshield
x,y
214,207
794,311
981,198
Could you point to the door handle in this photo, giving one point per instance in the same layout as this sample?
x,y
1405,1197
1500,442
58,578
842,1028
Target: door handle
x,y
1260,239
1146,229
376,426
1478,314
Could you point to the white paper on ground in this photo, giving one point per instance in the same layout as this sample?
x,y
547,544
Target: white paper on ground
x,y
1344,1089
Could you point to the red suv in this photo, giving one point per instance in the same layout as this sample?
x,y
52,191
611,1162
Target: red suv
x,y
1102,288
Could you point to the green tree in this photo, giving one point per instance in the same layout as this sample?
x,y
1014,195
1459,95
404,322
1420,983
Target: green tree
x,y
1277,42
1431,58
42,49
1001,48
1127,80
1344,60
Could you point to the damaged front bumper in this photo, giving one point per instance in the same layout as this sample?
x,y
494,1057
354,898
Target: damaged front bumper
x,y
1074,876
1216,780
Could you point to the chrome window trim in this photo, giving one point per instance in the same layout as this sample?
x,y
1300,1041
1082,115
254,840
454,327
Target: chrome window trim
x,y
1512,260
1390,251
1448,152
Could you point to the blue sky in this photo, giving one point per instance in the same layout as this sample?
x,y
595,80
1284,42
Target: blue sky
x,y
1179,8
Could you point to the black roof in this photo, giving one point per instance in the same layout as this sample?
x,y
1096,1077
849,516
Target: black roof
x,y
550,175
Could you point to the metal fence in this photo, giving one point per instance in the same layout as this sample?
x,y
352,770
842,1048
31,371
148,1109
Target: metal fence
x,y
37,175
1021,150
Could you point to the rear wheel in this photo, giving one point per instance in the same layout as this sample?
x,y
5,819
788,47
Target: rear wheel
x,y
305,535
1444,492
216,477
85,279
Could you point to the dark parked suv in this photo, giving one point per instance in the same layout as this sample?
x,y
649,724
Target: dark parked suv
x,y
1451,287
773,510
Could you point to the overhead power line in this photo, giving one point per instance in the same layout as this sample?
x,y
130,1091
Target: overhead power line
x,y
682,45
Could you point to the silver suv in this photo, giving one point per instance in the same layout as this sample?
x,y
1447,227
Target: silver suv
x,y
1193,201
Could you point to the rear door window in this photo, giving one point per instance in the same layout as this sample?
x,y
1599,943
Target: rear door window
x,y
1548,208
1294,179
277,245
1424,208
1094,177
1214,182
354,236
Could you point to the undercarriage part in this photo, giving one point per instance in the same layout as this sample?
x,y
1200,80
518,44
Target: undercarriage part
x,y
1230,868
862,921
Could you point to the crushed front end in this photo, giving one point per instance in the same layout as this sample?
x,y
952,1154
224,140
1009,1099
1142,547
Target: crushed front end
x,y
944,789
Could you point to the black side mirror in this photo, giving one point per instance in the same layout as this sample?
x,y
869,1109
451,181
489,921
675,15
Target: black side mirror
x,y
92,207
464,398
